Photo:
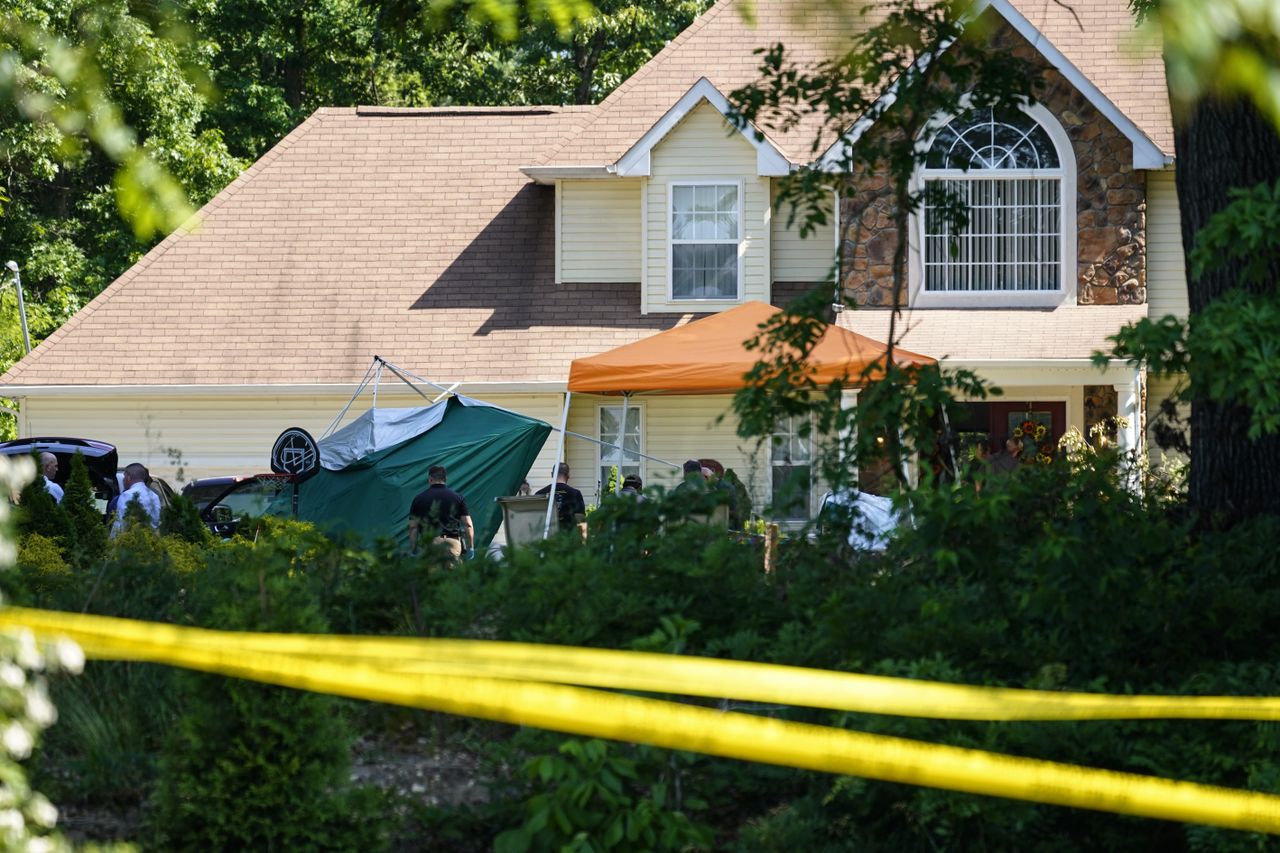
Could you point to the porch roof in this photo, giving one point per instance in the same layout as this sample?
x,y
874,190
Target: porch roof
x,y
1067,332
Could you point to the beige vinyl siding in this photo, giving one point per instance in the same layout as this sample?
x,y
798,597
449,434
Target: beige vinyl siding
x,y
807,259
701,149
673,429
600,231
185,438
1166,273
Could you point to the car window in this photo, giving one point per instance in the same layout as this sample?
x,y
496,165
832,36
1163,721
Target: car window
x,y
200,495
252,498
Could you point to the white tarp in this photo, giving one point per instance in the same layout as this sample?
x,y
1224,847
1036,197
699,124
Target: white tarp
x,y
378,429
874,518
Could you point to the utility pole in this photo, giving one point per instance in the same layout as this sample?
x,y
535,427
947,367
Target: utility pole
x,y
22,306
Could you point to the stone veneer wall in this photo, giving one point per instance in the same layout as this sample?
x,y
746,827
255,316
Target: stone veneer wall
x,y
1101,402
1111,217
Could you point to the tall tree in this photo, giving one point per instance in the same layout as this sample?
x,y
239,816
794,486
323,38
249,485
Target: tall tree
x,y
1220,57
62,127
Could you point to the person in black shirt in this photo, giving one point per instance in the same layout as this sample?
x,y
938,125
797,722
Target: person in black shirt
x,y
442,514
570,507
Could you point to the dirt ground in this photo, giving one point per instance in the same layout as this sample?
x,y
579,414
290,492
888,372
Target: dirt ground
x,y
413,769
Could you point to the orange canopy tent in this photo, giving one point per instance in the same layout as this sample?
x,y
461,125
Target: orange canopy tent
x,y
709,356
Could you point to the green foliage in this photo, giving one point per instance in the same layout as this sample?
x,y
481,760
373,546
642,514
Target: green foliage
x,y
39,513
251,766
1226,351
86,521
1055,577
182,519
138,578
43,574
98,120
1247,229
1220,49
112,723
591,799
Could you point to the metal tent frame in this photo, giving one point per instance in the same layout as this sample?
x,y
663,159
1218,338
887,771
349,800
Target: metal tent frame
x,y
373,379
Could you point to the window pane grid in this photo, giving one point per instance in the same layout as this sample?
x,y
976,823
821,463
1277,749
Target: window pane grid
x,y
704,241
790,470
1011,242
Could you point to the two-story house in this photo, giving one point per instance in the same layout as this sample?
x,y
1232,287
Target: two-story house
x,y
485,249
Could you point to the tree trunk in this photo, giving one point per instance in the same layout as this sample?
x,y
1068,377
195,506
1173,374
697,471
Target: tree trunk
x,y
295,62
1221,146
586,57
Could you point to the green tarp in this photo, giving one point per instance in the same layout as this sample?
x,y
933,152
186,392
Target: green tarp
x,y
382,459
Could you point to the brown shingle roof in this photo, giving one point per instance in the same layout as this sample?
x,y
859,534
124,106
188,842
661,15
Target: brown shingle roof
x,y
412,234
409,234
1098,39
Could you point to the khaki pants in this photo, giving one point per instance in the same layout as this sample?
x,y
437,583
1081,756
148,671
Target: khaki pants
x,y
445,545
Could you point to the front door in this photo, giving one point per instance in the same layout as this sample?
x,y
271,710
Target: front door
x,y
1023,420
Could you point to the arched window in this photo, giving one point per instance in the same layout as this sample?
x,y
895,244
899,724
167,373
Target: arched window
x,y
1005,169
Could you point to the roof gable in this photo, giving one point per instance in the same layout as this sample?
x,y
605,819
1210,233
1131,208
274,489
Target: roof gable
x,y
636,161
1146,154
1092,44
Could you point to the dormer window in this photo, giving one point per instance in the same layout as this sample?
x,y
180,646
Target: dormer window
x,y
706,236
1007,170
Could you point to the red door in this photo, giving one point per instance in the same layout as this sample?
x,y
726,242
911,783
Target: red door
x,y
1006,418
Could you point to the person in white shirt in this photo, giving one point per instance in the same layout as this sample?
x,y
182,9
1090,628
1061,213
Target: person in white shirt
x,y
135,489
49,465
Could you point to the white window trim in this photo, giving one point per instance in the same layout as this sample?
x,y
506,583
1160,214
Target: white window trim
x,y
639,408
671,242
768,480
1069,268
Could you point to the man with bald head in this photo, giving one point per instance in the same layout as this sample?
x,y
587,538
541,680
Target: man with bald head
x,y
49,465
136,477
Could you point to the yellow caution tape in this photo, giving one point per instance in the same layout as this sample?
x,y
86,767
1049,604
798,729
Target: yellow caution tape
x,y
656,673
614,716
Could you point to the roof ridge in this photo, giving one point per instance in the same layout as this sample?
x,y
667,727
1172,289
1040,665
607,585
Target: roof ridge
x,y
699,23
453,109
158,250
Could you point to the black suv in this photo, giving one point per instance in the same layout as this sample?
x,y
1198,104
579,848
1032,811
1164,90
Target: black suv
x,y
100,458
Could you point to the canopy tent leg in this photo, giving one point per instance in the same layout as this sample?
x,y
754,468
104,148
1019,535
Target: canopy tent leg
x,y
555,466
377,380
342,414
622,439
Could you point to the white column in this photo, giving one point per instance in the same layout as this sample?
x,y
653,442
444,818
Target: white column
x,y
848,403
1128,399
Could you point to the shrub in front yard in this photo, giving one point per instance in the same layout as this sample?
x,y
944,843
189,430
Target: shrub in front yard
x,y
251,766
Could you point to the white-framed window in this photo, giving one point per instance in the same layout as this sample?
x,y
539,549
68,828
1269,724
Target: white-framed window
x,y
791,469
629,443
706,240
1006,166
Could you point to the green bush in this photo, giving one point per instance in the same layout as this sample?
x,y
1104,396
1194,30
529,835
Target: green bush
x,y
182,519
42,574
39,513
589,798
87,525
250,766
1056,577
